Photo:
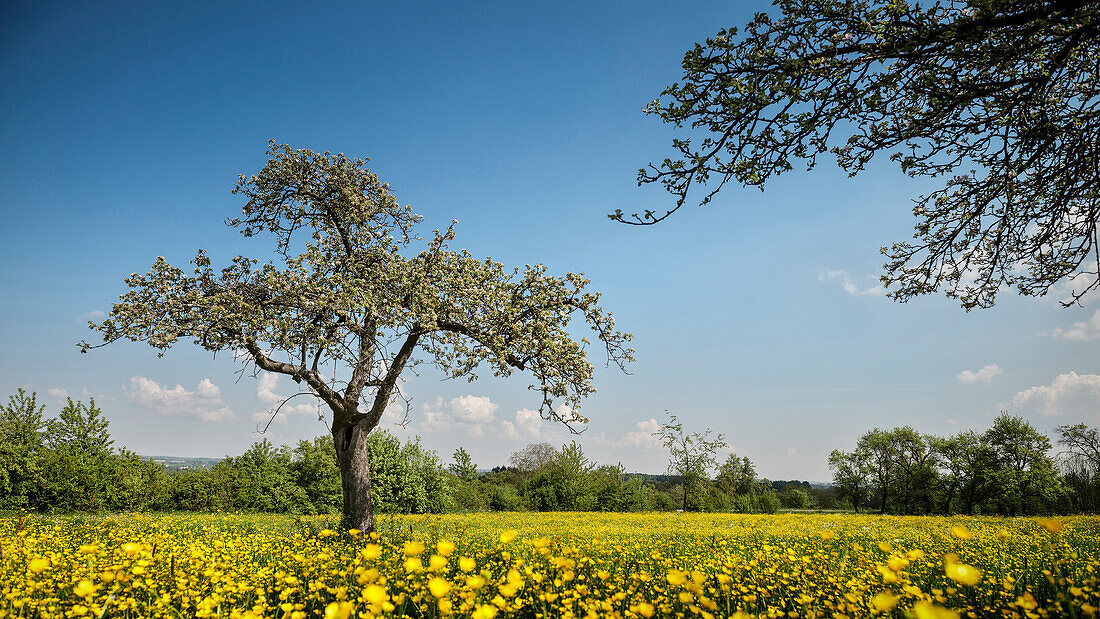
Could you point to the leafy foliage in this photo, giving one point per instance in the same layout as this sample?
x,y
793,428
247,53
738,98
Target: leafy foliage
x,y
998,100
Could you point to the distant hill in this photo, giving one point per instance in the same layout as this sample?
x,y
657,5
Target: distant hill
x,y
181,463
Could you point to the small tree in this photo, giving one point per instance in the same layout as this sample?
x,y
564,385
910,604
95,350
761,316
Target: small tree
x,y
736,476
691,456
1080,461
463,466
1026,475
852,475
22,436
361,300
533,457
81,427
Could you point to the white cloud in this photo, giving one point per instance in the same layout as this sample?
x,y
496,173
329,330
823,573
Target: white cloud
x,y
984,375
1083,331
849,285
643,437
528,425
1073,394
60,394
265,392
469,413
640,438
92,315
203,403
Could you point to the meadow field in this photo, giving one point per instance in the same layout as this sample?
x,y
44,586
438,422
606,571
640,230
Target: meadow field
x,y
550,565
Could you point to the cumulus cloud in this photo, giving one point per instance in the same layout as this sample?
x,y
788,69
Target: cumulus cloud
x,y
1083,331
527,425
849,285
204,402
469,413
984,375
265,392
1073,394
640,438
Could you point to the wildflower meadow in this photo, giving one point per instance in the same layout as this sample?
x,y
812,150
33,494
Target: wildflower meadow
x,y
550,565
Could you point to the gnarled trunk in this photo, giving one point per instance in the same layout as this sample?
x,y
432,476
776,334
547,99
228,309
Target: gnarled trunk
x,y
351,455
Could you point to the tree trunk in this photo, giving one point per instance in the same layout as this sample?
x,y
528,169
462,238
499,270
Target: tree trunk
x,y
351,454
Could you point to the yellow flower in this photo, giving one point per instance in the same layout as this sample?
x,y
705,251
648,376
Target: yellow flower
x,y
375,594
1052,525
445,547
961,532
412,564
927,610
961,572
371,551
826,535
884,602
84,588
675,578
413,548
644,609
484,612
338,610
38,565
466,564
508,536
897,563
88,549
540,542
439,587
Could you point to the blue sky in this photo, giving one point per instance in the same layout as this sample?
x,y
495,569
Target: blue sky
x,y
123,128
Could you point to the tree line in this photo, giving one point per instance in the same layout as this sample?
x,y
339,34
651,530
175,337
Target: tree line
x,y
1006,470
68,463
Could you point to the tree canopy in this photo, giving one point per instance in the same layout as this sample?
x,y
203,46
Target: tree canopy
x,y
999,100
363,299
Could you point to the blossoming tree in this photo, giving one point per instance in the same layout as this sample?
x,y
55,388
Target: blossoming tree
x,y
355,294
